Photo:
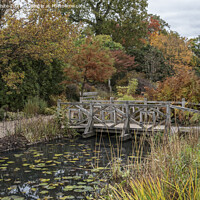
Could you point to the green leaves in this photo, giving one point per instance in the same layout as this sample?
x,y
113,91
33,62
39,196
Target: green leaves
x,y
33,50
124,20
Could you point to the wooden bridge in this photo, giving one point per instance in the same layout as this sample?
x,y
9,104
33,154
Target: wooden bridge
x,y
123,117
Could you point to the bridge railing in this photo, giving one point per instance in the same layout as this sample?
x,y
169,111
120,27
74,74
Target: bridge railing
x,y
111,114
183,103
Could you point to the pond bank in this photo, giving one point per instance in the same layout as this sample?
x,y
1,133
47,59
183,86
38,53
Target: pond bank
x,y
12,142
25,132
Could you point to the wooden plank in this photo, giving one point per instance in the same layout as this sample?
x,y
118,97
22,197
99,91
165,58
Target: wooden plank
x,y
136,122
157,111
115,124
90,94
100,121
138,101
156,124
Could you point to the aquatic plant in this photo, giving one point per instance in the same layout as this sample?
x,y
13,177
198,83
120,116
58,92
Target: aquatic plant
x,y
170,171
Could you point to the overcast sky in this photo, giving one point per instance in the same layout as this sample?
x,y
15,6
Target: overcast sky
x,y
183,16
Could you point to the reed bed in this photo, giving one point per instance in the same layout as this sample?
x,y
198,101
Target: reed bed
x,y
171,170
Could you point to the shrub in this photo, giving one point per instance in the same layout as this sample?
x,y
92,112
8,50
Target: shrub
x,y
132,86
184,84
2,111
72,92
35,106
126,98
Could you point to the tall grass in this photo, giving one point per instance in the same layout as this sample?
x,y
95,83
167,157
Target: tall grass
x,y
40,129
170,171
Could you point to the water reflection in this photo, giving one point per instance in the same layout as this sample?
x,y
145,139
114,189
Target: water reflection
x,y
61,169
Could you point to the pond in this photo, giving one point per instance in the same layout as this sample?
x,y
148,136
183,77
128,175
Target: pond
x,y
62,169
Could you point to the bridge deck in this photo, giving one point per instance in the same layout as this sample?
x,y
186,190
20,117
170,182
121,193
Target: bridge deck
x,y
134,128
127,117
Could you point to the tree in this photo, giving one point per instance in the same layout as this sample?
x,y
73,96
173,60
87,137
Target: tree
x,y
150,61
90,64
154,65
123,64
31,48
105,41
195,46
124,20
184,84
5,9
156,25
174,48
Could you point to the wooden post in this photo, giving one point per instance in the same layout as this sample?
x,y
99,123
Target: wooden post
x,y
103,115
69,116
154,118
58,106
157,113
168,119
112,115
126,128
91,112
145,114
115,116
89,131
183,102
80,113
141,118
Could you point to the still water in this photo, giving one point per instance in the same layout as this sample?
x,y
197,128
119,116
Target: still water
x,y
62,169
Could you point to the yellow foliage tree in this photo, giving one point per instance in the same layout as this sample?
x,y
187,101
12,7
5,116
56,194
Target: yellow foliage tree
x,y
174,48
43,33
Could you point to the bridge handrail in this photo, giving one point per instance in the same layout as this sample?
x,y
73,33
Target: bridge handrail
x,y
183,102
132,104
109,104
185,109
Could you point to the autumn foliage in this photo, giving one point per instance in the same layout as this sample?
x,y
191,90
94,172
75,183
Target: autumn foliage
x,y
123,64
123,61
90,64
184,84
174,48
43,34
153,26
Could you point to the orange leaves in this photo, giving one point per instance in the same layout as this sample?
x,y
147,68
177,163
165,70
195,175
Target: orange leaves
x,y
184,84
92,63
153,26
123,61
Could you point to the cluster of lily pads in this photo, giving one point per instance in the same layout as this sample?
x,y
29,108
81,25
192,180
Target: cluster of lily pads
x,y
51,171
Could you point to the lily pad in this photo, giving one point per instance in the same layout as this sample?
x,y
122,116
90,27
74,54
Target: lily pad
x,y
44,192
67,197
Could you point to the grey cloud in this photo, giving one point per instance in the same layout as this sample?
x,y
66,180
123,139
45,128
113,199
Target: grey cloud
x,y
182,15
